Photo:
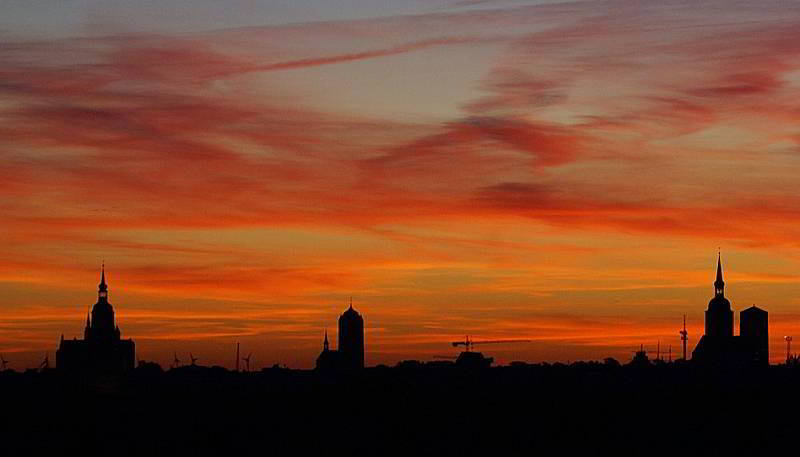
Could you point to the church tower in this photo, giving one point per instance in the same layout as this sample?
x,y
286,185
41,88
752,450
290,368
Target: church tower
x,y
719,316
102,324
719,347
351,339
328,360
102,351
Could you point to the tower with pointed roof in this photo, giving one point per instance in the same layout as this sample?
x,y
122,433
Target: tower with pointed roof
x,y
719,315
328,359
102,324
718,346
102,350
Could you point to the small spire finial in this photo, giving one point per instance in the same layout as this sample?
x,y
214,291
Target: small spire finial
x,y
719,284
351,302
103,287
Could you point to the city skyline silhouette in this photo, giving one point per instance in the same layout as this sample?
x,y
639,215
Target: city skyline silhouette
x,y
504,169
712,346
399,227
474,407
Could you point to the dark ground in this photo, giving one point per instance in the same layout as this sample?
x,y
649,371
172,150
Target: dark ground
x,y
583,409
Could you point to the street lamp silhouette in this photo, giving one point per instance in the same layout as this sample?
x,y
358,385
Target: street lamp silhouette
x,y
788,347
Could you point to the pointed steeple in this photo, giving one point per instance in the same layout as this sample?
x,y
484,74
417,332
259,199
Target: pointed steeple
x,y
325,343
719,284
103,285
87,330
102,289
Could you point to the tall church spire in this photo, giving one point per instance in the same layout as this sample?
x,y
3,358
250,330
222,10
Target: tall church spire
x,y
88,327
719,284
325,343
102,289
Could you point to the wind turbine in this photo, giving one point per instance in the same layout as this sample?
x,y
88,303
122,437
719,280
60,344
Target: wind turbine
x,y
176,362
194,359
3,363
247,361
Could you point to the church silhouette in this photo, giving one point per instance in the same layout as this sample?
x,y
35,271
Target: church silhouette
x,y
719,346
350,354
101,351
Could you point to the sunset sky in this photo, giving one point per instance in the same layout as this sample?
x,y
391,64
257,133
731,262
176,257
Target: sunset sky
x,y
562,172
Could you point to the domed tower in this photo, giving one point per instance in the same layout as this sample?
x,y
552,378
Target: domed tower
x,y
102,351
351,339
719,316
102,324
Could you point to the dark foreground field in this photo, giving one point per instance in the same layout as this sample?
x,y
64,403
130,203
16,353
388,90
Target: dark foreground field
x,y
582,409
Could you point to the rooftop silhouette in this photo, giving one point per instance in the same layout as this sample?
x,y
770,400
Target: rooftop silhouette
x,y
719,346
464,406
102,349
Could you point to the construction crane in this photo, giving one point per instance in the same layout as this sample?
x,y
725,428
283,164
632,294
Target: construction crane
x,y
247,361
684,336
475,360
468,343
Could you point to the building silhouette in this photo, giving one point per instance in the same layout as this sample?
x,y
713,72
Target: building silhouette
x,y
719,315
101,351
719,346
754,327
328,360
351,339
350,354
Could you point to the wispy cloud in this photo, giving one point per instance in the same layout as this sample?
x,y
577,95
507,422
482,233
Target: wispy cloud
x,y
587,121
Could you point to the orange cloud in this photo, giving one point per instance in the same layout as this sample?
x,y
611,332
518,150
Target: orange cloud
x,y
592,132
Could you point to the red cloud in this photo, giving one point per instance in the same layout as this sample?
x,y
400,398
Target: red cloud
x,y
594,119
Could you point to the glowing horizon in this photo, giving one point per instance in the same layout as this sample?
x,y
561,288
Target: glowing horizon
x,y
556,171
